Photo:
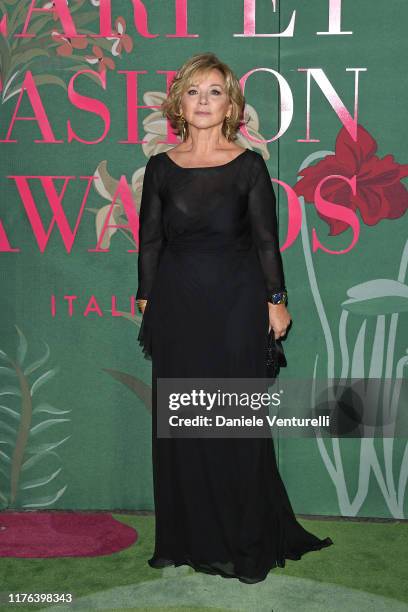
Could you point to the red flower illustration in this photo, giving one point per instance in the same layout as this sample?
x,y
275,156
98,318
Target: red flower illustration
x,y
125,42
104,62
379,194
68,44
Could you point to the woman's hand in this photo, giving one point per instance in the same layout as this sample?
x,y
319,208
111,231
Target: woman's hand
x,y
279,319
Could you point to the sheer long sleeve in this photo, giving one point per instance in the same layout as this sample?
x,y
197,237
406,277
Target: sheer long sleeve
x,y
262,212
151,235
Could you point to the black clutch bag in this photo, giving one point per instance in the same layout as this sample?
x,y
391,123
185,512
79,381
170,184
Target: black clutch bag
x,y
275,357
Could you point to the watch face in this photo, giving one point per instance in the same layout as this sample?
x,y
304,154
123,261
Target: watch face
x,y
279,298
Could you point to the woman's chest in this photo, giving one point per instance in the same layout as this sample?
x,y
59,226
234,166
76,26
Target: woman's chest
x,y
193,195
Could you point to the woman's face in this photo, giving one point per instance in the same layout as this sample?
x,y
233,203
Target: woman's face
x,y
205,103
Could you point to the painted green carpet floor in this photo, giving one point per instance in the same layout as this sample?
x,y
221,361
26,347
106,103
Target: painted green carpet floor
x,y
366,569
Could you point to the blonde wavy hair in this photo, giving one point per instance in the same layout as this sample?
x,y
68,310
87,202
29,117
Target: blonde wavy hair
x,y
202,63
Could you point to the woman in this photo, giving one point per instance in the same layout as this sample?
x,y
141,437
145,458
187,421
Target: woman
x,y
211,286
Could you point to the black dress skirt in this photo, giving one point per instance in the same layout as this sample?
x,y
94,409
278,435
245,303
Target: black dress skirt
x,y
209,261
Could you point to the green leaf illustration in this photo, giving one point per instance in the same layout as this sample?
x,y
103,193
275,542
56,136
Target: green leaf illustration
x,y
40,482
143,391
48,500
21,451
378,296
45,447
46,425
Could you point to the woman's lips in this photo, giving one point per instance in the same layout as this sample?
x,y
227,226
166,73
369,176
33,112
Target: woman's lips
x,y
202,113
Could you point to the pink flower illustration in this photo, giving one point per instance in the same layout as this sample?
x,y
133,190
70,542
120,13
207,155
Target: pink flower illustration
x,y
68,45
99,57
125,42
379,194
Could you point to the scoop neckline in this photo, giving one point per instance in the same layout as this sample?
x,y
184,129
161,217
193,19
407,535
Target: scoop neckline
x,y
205,167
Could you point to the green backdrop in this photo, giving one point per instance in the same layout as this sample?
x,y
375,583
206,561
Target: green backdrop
x,y
75,420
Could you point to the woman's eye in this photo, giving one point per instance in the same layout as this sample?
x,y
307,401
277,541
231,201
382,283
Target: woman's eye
x,y
216,91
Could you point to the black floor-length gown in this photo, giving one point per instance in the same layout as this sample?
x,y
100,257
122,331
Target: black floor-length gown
x,y
208,260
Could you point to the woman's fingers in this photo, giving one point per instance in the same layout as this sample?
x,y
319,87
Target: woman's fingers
x,y
278,332
282,326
